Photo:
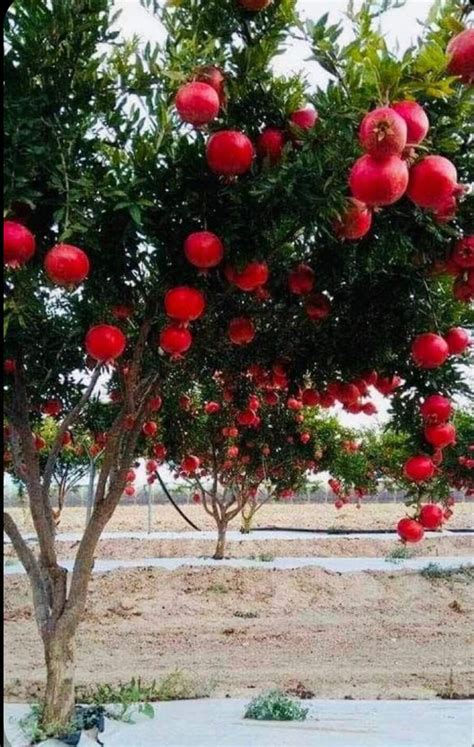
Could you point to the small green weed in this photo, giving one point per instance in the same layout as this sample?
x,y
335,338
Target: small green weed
x,y
246,615
274,705
264,557
399,553
218,589
433,571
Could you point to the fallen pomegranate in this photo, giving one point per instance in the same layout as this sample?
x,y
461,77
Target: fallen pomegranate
x,y
203,249
383,133
19,244
378,182
66,264
229,153
197,103
429,350
105,343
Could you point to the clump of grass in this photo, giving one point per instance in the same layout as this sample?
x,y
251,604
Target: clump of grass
x,y
264,557
433,571
275,705
246,615
400,552
84,718
218,589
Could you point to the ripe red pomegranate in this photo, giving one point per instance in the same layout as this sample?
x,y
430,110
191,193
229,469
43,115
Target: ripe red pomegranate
x,y
129,490
463,252
104,342
241,331
410,530
151,465
271,398
203,249
378,182
383,133
429,350
458,340
40,443
246,417
210,408
310,398
355,222
368,408
150,429
433,181
190,464
436,409
66,264
196,498
270,144
294,404
419,468
386,385
9,366
197,103
233,452
19,244
184,304
52,408
66,439
318,307
461,53
131,475
431,516
254,275
416,120
441,435
155,403
159,451
175,340
463,291
215,78
304,118
122,311
305,438
301,280
229,153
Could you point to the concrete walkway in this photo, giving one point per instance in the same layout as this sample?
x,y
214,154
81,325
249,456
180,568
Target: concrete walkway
x,y
235,536
330,723
335,564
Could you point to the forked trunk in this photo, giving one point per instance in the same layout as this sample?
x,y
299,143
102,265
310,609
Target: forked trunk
x,y
246,523
221,538
59,697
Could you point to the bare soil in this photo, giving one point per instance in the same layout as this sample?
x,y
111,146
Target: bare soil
x,y
305,516
360,635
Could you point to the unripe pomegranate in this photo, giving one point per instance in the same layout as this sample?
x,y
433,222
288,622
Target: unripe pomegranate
x,y
184,304
19,244
105,343
441,435
355,222
270,144
122,311
463,252
431,516
203,249
150,429
458,340
383,133
215,78
197,103
210,408
310,398
378,182
432,183
301,280
429,350
241,331
252,276
305,118
410,530
318,307
419,468
160,451
461,53
66,264
190,464
416,120
175,340
229,153
436,409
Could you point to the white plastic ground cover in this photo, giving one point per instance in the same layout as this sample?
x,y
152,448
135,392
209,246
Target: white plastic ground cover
x,y
330,723
338,565
238,537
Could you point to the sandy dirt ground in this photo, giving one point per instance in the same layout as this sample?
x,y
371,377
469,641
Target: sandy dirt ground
x,y
312,515
136,549
236,632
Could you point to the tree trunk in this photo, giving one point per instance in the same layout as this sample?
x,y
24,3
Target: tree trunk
x,y
221,537
59,697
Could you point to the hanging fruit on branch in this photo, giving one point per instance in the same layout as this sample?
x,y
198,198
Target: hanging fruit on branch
x,y
436,409
184,304
197,103
429,350
270,144
241,331
461,55
458,340
383,133
66,264
410,530
301,280
378,182
203,249
416,120
433,182
105,343
431,516
254,5
175,340
305,118
253,276
419,468
355,221
19,244
229,153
